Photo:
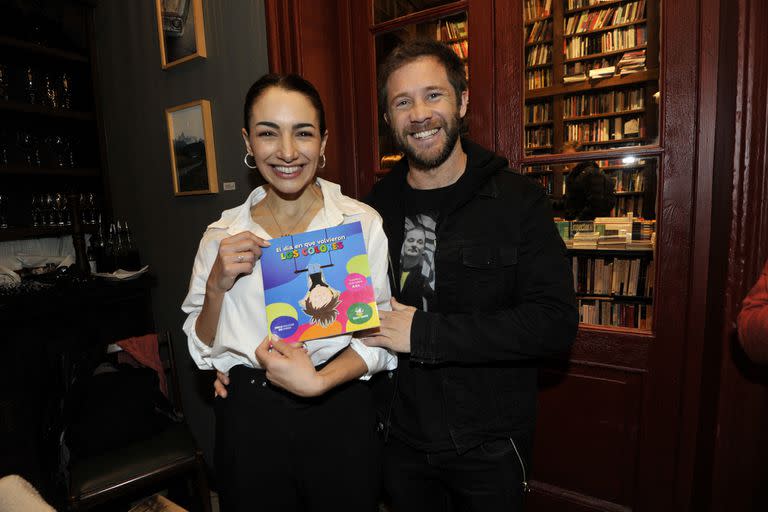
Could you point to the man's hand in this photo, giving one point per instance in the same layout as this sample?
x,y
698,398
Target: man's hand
x,y
289,367
395,330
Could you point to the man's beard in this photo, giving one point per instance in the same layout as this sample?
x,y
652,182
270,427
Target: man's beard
x,y
417,161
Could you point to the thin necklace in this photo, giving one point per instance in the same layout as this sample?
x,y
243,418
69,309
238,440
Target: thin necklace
x,y
284,232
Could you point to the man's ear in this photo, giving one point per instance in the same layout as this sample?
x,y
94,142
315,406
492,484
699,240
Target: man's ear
x,y
464,103
386,118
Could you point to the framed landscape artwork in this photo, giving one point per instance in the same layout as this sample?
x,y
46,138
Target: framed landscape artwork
x,y
193,158
180,28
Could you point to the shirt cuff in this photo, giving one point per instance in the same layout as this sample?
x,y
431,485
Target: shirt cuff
x,y
376,358
200,351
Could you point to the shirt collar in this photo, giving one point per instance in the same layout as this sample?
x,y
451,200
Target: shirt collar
x,y
335,207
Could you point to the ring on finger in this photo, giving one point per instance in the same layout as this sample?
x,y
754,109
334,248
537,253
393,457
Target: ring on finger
x,y
240,258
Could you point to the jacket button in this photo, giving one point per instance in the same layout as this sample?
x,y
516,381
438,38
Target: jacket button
x,y
380,427
390,374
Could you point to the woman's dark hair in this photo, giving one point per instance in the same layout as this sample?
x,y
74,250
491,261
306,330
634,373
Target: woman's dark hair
x,y
409,51
289,83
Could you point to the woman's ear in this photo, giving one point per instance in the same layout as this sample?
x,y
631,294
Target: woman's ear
x,y
323,142
247,142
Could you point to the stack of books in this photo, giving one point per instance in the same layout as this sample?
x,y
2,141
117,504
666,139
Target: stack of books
x,y
631,62
585,240
578,77
602,72
618,241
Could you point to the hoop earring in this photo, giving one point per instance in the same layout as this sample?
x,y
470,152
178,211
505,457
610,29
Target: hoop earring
x,y
248,165
321,165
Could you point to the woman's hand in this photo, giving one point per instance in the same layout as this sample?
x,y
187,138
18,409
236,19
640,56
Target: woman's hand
x,y
289,367
237,255
220,385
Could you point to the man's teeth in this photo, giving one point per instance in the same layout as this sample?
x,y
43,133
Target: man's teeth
x,y
287,170
425,134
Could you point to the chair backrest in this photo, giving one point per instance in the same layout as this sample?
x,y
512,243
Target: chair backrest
x,y
166,342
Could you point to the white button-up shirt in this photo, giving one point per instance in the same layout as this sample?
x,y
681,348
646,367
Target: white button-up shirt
x,y
243,319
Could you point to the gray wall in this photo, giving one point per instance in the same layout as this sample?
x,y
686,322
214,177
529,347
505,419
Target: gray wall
x,y
134,93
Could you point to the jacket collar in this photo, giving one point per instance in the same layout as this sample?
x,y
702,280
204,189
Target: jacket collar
x,y
481,165
335,207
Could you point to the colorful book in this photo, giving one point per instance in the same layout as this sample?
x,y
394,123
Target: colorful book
x,y
318,284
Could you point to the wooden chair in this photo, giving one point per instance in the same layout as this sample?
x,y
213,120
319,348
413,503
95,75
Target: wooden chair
x,y
142,465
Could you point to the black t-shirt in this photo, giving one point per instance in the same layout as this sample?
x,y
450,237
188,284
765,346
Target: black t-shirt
x,y
418,414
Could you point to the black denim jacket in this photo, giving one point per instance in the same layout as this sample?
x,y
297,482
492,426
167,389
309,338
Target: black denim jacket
x,y
504,293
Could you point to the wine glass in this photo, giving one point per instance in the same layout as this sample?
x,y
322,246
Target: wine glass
x,y
65,90
90,201
29,148
60,205
59,147
48,209
37,202
31,85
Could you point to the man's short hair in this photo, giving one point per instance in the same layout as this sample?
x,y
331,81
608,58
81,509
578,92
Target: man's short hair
x,y
409,51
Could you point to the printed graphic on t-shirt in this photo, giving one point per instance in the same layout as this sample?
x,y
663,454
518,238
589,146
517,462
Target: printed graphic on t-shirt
x,y
417,261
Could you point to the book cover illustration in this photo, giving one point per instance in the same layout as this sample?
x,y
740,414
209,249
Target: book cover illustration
x,y
318,284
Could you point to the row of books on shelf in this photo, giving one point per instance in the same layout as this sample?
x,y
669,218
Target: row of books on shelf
x,y
613,276
538,55
537,137
538,112
629,205
580,4
538,78
538,32
454,33
601,130
604,102
449,30
623,182
587,21
633,180
611,41
533,9
615,314
625,232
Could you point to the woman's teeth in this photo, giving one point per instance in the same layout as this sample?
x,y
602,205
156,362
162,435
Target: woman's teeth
x,y
287,170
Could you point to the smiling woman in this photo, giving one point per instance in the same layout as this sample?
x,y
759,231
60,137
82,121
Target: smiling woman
x,y
283,395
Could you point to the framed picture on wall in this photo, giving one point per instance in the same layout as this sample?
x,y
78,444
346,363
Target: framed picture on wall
x,y
193,158
180,28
